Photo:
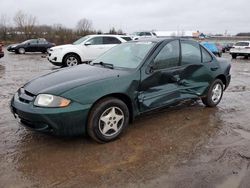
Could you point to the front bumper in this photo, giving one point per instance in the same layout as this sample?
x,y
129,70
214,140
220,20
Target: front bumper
x,y
68,121
55,59
228,80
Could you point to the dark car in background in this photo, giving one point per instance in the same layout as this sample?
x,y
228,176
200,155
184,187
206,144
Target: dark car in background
x,y
227,47
212,47
1,50
32,45
132,78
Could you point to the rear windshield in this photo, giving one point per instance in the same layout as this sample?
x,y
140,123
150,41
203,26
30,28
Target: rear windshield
x,y
126,38
242,44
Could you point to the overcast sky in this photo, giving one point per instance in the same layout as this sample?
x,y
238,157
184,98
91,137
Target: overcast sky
x,y
214,16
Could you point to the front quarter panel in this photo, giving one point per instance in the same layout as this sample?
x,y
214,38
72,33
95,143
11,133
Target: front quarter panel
x,y
90,93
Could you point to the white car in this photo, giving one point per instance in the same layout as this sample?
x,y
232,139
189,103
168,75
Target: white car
x,y
241,48
84,50
143,34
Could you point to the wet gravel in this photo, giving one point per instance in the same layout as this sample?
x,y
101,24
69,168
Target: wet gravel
x,y
184,146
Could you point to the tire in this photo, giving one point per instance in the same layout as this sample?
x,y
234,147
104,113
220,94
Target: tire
x,y
214,94
71,60
107,120
21,51
45,51
234,56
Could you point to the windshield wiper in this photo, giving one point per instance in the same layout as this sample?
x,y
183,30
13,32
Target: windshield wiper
x,y
108,65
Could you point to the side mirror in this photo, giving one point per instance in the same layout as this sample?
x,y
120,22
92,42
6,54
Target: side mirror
x,y
151,68
87,43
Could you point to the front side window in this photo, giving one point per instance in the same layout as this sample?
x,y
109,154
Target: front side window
x,y
111,40
190,52
169,56
96,41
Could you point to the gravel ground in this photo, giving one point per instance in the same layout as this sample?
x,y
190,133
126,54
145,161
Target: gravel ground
x,y
184,146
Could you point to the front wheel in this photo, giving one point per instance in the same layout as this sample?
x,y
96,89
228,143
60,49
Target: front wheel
x,y
107,119
21,51
214,94
71,60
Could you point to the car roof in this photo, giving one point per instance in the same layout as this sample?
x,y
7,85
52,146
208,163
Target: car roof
x,y
108,35
161,39
244,41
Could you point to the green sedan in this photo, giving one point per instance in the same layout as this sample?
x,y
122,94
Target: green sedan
x,y
100,99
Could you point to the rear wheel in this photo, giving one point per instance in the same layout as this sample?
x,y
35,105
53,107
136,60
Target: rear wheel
x,y
107,119
21,51
71,60
234,56
214,94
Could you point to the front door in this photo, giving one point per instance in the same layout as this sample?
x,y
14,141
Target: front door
x,y
159,80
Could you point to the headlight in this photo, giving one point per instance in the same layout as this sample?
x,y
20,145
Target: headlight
x,y
56,49
47,100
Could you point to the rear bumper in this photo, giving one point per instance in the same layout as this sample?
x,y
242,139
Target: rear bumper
x,y
68,121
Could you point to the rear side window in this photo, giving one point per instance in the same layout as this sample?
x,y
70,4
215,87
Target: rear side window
x,y
190,52
111,40
242,44
206,57
126,38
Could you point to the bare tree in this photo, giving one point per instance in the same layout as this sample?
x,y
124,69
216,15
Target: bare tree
x,y
25,22
4,21
84,26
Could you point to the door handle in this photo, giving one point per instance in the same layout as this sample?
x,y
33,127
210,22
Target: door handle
x,y
214,68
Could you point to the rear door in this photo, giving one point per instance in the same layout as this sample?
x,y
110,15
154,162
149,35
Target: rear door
x,y
199,68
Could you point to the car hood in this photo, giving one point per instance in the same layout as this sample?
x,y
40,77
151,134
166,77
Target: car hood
x,y
13,45
60,81
66,46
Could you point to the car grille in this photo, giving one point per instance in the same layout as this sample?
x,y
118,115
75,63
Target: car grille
x,y
25,96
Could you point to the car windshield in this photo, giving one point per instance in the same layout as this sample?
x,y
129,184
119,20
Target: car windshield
x,y
127,55
79,41
27,41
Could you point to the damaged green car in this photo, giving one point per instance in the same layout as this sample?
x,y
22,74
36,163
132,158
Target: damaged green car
x,y
101,98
